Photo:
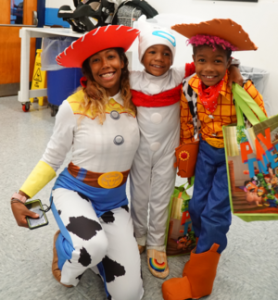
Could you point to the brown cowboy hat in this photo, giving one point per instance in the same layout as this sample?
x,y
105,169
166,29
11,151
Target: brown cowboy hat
x,y
226,29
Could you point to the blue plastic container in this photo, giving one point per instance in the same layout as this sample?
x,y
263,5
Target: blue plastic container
x,y
61,84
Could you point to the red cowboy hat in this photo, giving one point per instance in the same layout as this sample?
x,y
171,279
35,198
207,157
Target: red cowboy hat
x,y
111,36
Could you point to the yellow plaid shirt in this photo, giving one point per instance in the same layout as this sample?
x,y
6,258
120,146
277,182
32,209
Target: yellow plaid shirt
x,y
211,123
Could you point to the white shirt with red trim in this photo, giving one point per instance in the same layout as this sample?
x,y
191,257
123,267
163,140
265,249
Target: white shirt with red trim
x,y
159,126
151,85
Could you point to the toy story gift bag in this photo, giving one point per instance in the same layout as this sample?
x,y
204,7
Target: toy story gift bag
x,y
252,161
180,237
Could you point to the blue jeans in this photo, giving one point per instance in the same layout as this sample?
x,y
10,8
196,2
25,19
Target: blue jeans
x,y
209,207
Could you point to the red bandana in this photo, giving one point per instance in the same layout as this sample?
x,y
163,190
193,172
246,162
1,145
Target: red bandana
x,y
209,95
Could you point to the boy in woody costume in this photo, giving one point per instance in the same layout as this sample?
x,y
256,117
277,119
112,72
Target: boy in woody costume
x,y
208,99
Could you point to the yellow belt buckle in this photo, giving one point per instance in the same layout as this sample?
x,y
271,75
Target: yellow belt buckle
x,y
110,180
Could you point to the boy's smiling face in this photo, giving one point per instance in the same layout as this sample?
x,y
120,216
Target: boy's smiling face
x,y
211,65
157,59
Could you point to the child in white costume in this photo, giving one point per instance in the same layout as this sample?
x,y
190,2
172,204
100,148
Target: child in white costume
x,y
152,176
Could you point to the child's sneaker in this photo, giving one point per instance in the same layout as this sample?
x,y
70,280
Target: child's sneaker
x,y
157,263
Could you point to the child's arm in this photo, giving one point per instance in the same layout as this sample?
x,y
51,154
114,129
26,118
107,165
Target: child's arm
x,y
234,76
187,128
189,69
134,77
186,155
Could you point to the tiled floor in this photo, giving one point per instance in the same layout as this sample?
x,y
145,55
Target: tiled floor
x,y
248,269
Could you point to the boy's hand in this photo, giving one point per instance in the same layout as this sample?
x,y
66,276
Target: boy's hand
x,y
234,76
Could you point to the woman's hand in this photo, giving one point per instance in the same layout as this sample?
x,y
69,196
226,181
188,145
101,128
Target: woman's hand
x,y
234,76
20,212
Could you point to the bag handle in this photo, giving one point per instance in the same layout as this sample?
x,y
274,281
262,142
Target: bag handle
x,y
246,104
239,116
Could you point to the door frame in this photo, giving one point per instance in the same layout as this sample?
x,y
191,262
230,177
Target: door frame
x,y
10,46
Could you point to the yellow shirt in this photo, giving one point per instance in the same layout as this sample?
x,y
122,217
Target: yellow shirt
x,y
211,123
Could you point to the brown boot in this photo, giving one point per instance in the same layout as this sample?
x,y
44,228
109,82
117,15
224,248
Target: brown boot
x,y
55,269
198,282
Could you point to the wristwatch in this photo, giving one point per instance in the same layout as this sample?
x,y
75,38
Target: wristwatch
x,y
19,197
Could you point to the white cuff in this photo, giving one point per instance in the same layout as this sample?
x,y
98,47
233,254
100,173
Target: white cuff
x,y
158,248
141,240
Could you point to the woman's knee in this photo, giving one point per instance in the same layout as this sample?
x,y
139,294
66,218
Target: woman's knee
x,y
96,248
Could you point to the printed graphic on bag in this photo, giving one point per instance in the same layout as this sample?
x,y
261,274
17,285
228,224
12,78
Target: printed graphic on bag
x,y
181,237
253,169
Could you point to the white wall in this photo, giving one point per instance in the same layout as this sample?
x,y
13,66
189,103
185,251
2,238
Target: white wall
x,y
51,12
258,19
58,3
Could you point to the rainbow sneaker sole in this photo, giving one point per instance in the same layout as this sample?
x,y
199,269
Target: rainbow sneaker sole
x,y
159,267
157,263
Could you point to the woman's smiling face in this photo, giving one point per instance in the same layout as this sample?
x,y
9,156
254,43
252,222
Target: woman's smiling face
x,y
211,65
106,67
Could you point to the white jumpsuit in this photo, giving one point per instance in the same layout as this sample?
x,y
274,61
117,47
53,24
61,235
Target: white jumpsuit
x,y
153,174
